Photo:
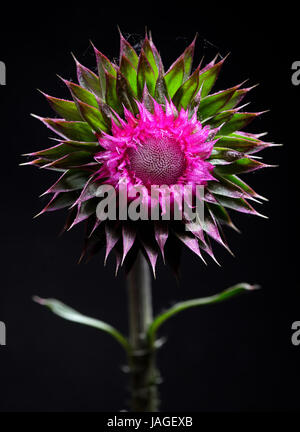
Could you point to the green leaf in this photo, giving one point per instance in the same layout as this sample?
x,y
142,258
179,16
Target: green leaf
x,y
148,100
106,64
71,160
238,121
224,156
73,130
103,65
241,143
155,52
226,188
161,91
129,73
219,118
236,98
174,76
238,204
242,165
108,114
221,214
188,56
210,225
81,93
71,180
147,49
64,108
145,75
125,93
186,92
82,145
127,50
64,311
88,79
85,210
90,189
111,96
65,147
212,104
242,185
92,116
208,76
60,201
184,305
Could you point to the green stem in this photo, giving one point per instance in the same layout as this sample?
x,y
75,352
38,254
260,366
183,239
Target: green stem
x,y
143,373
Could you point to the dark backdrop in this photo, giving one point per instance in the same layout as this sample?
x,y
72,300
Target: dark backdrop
x,y
228,357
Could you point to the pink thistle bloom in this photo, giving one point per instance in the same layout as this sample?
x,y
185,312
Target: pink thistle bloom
x,y
160,148
136,124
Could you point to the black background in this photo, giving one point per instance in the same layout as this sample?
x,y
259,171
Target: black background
x,y
236,356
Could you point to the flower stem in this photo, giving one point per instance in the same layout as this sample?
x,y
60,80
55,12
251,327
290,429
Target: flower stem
x,y
143,373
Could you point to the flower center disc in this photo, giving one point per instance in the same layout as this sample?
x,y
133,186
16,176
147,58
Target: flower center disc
x,y
157,161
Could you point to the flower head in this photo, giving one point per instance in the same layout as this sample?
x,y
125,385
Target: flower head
x,y
160,148
134,123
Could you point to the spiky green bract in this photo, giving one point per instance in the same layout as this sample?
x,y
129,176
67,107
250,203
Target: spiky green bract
x,y
100,100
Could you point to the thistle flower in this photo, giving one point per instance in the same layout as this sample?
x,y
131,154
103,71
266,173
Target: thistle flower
x,y
134,122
